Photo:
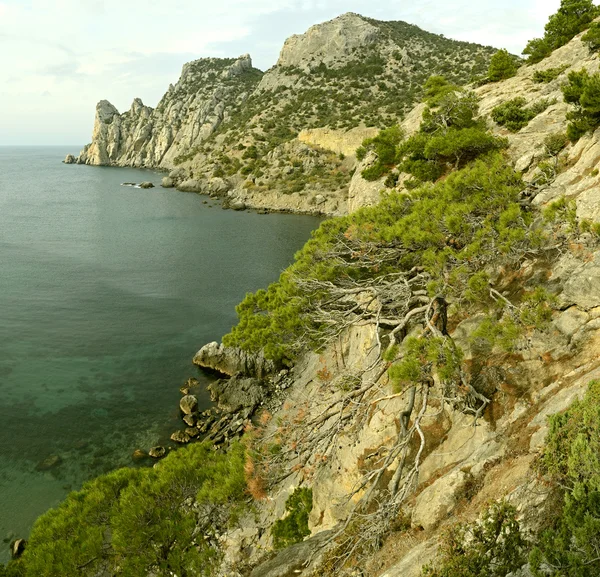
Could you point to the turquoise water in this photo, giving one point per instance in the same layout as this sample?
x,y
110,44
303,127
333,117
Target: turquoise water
x,y
106,293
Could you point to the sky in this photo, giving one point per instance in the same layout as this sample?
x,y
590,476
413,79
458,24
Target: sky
x,y
58,58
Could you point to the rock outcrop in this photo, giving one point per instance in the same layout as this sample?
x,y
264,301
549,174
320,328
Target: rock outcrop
x,y
331,43
231,361
186,116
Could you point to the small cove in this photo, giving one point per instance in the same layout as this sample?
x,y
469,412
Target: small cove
x,y
106,292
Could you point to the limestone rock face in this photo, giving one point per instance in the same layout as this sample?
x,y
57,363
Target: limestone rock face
x,y
339,141
582,287
294,560
437,501
188,113
237,393
331,43
364,192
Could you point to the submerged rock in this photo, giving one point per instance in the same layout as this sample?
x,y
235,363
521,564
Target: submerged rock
x,y
49,463
138,455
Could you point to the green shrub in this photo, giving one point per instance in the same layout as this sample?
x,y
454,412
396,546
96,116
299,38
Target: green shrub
x,y
491,547
391,180
537,49
384,145
583,91
571,458
562,210
250,152
555,142
503,65
592,37
477,207
548,75
436,88
141,520
294,526
449,136
514,115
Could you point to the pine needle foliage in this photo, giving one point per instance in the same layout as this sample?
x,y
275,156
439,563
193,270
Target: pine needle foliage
x,y
503,65
515,114
133,522
452,229
571,459
573,17
493,546
583,91
293,528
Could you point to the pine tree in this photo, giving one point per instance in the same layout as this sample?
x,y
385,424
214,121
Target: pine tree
x,y
503,65
573,17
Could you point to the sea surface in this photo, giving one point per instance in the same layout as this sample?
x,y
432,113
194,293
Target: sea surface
x,y
106,293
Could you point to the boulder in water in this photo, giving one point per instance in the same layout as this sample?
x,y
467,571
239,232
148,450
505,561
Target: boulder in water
x,y
189,420
188,404
192,185
157,452
139,455
167,182
180,437
230,361
17,547
146,185
238,205
70,159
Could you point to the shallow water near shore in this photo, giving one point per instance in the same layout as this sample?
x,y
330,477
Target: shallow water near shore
x,y
106,293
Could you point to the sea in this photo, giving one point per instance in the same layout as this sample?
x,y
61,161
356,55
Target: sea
x,y
106,293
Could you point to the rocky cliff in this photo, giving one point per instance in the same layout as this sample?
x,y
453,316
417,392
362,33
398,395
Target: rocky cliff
x,y
191,110
286,139
447,323
469,458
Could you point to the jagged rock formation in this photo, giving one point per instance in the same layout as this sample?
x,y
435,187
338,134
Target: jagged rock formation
x,y
284,140
187,115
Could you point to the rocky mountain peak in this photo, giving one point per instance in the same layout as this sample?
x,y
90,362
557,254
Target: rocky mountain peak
x,y
137,106
105,112
331,42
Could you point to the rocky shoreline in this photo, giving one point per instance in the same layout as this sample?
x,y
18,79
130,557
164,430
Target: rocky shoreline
x,y
231,198
249,383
